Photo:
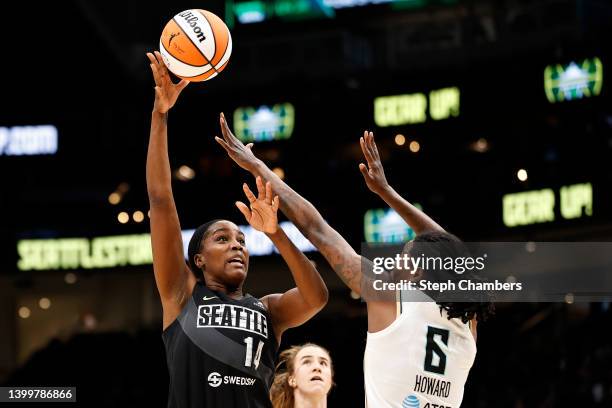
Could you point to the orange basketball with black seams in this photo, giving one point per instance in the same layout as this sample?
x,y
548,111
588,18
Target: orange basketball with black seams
x,y
196,45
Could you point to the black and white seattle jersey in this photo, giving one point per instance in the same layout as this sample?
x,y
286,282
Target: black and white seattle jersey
x,y
220,352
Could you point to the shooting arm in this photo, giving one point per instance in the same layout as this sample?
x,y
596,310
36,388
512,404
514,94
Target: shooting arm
x,y
172,276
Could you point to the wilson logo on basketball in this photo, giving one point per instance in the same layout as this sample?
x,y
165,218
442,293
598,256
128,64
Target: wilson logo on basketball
x,y
193,20
196,45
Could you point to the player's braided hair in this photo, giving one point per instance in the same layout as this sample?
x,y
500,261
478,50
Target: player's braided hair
x,y
445,244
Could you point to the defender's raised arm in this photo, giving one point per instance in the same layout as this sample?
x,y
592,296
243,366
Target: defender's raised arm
x,y
340,255
374,176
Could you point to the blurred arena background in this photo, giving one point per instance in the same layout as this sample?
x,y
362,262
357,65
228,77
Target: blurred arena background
x,y
485,111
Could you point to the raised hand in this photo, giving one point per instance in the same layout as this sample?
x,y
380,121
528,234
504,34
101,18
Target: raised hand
x,y
261,213
236,150
166,92
373,173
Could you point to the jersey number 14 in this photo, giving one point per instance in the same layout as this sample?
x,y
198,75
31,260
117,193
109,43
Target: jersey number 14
x,y
249,360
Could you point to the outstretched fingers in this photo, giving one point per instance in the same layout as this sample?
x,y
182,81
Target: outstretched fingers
x,y
182,85
368,145
244,210
363,142
224,129
160,71
365,172
223,143
275,203
229,137
151,58
163,70
373,148
153,64
261,190
156,78
268,193
248,193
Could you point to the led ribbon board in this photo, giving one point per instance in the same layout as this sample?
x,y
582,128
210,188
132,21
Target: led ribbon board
x,y
412,109
257,11
28,140
574,80
399,4
385,226
535,207
264,123
125,250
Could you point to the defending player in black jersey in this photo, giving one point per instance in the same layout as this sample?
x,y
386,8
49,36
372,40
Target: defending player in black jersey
x,y
220,343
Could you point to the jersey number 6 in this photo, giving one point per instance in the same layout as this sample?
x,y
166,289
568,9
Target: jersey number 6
x,y
433,347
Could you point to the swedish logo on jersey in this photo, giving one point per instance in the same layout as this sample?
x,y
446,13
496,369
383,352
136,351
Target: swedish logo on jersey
x,y
411,402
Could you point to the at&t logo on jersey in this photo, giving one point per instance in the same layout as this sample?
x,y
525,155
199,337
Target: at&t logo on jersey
x,y
232,317
215,379
411,402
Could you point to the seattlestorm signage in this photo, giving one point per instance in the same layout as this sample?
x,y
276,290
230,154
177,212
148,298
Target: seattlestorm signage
x,y
126,250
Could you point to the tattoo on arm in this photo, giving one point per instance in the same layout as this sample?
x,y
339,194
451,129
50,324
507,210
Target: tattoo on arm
x,y
340,255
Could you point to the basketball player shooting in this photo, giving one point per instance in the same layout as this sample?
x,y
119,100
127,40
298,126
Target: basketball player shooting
x,y
418,354
221,343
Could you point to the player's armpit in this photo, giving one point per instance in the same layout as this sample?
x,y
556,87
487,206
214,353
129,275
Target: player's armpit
x,y
289,310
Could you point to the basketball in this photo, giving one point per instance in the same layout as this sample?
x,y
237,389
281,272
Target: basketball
x,y
196,45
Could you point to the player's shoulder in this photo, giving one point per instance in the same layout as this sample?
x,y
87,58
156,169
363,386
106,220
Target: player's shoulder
x,y
255,303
